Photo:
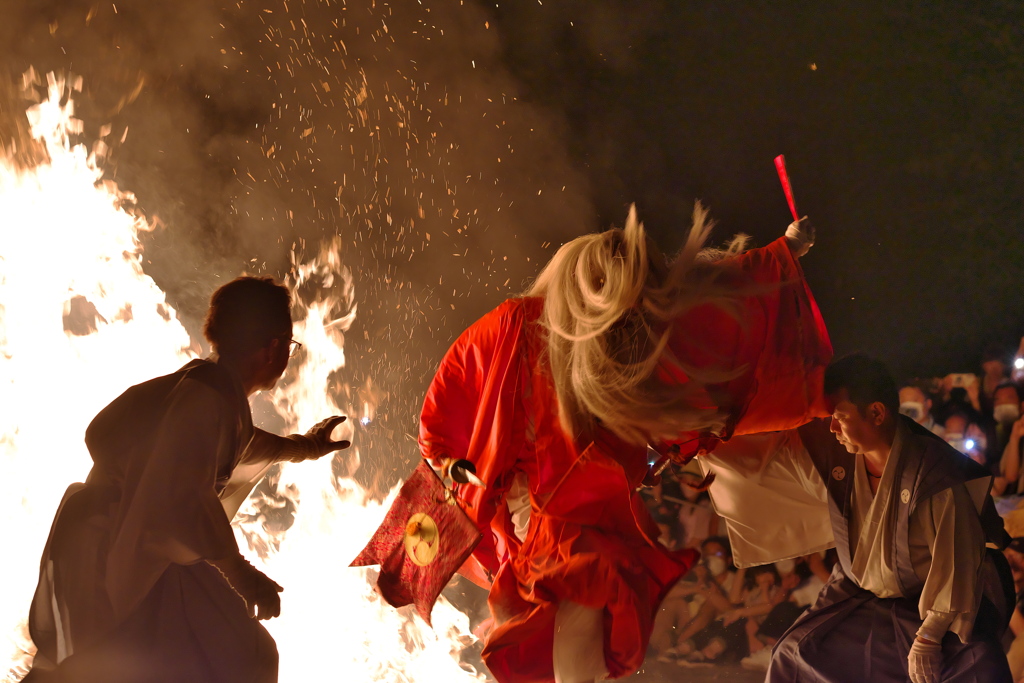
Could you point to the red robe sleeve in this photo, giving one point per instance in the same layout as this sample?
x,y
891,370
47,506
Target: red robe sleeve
x,y
472,411
777,342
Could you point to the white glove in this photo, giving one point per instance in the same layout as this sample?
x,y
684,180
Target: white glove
x,y
925,661
315,443
800,235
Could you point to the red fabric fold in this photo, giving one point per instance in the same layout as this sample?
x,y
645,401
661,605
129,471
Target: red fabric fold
x,y
777,340
590,539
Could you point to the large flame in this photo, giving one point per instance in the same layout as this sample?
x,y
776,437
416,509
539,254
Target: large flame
x,y
80,321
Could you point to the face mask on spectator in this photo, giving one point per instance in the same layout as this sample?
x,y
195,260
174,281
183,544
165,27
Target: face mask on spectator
x,y
912,409
1008,412
716,565
785,567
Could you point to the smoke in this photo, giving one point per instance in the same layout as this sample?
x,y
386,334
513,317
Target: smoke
x,y
262,127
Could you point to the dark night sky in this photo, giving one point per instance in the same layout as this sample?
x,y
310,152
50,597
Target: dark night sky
x,y
904,145
453,146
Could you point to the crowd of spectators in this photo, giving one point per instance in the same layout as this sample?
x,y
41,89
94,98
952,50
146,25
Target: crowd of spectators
x,y
978,414
718,613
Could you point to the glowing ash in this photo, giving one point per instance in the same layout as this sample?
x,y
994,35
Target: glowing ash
x,y
80,321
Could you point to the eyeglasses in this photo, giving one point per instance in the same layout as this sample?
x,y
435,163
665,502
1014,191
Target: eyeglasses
x,y
293,347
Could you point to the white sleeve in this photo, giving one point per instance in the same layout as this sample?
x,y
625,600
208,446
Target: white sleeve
x,y
771,496
948,525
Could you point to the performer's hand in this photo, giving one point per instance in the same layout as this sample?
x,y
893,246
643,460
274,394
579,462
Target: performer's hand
x,y
925,661
319,437
265,600
800,236
259,591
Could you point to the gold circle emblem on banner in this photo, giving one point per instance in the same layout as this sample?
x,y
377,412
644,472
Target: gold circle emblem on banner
x,y
422,539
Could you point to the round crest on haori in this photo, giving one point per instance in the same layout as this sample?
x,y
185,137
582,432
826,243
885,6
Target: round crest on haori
x,y
838,473
905,496
422,539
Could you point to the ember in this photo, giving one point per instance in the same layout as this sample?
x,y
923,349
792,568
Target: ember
x,y
80,321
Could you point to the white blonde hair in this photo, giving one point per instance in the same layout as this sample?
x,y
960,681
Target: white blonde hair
x,y
610,302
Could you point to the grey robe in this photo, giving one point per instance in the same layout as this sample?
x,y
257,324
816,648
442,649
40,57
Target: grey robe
x,y
850,635
124,593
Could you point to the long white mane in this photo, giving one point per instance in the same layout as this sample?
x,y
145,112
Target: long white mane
x,y
610,303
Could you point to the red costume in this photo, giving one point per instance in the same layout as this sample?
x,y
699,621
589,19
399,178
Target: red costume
x,y
590,538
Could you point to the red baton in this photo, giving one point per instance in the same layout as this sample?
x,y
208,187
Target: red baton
x,y
780,166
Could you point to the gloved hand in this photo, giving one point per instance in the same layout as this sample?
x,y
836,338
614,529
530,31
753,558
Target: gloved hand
x,y
321,435
259,591
317,441
800,235
925,661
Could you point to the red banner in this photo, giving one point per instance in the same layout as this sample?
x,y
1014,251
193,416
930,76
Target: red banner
x,y
422,541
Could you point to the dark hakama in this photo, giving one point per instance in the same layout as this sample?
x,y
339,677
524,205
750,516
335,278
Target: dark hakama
x,y
852,636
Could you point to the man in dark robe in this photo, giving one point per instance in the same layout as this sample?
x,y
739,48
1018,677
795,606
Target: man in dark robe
x,y
916,593
141,578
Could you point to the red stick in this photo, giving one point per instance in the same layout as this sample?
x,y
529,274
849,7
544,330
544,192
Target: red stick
x,y
780,166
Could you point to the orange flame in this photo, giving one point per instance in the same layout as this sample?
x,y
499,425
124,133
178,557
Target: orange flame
x,y
75,303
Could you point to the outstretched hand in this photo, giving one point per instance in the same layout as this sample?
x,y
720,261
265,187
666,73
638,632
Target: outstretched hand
x,y
800,236
320,436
